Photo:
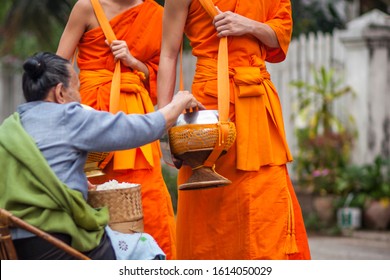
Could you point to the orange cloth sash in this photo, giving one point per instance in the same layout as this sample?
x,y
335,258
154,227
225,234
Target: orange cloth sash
x,y
223,90
110,35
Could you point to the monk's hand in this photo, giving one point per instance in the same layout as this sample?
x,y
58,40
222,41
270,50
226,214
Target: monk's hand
x,y
231,24
121,52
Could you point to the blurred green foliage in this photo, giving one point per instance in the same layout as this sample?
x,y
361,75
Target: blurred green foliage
x,y
324,139
28,26
170,178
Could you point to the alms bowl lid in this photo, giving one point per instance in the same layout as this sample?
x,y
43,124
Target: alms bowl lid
x,y
198,117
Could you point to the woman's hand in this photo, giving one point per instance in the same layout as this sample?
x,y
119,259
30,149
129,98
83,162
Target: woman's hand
x,y
189,101
182,101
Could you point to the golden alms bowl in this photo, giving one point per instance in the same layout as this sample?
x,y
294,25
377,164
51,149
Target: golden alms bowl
x,y
91,167
192,140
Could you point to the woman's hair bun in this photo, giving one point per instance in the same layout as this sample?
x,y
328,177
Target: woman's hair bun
x,y
34,68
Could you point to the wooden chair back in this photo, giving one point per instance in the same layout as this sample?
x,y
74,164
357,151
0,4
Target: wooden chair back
x,y
7,248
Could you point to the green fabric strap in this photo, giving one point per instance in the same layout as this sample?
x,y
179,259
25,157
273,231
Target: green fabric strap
x,y
31,191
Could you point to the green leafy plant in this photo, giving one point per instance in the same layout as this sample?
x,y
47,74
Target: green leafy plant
x,y
351,187
365,182
377,178
325,140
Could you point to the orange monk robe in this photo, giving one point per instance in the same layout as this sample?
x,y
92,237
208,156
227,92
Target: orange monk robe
x,y
140,27
258,215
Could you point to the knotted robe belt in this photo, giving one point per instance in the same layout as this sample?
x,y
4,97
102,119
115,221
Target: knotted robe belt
x,y
256,102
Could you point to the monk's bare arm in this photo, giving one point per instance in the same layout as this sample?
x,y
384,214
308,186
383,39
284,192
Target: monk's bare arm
x,y
232,24
175,15
77,24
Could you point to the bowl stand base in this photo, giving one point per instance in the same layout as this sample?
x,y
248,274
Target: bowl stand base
x,y
204,178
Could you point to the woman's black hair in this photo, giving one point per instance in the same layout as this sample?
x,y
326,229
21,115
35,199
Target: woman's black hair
x,y
43,71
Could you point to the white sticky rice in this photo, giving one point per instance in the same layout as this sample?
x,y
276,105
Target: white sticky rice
x,y
113,184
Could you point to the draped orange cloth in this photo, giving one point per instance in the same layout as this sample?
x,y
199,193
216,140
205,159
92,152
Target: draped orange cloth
x,y
258,216
140,27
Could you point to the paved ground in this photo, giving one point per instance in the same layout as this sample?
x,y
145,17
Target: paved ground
x,y
359,245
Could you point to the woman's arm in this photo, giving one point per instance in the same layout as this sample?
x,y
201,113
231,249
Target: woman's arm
x,y
93,130
175,15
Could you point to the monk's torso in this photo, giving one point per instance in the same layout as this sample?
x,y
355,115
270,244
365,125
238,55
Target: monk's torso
x,y
202,34
128,23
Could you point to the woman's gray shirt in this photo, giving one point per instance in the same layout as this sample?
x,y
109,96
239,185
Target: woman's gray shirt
x,y
65,133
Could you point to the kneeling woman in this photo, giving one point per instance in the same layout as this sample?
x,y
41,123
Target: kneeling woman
x,y
44,146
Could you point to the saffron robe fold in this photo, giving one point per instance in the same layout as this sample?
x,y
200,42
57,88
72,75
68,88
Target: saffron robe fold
x,y
258,215
140,27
